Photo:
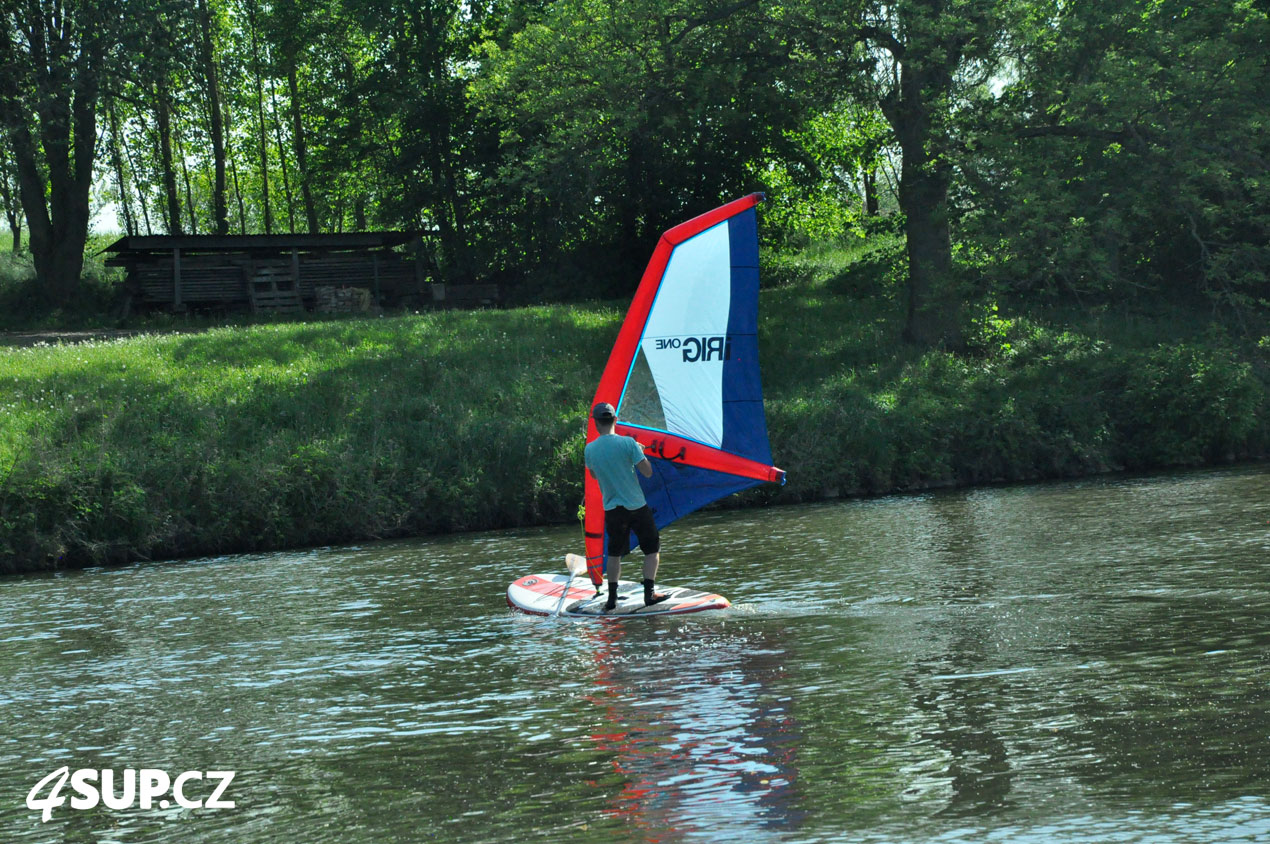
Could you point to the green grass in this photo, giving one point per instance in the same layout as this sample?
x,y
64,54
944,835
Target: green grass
x,y
1056,392
271,436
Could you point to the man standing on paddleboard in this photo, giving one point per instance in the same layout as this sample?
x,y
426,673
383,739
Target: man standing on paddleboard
x,y
613,461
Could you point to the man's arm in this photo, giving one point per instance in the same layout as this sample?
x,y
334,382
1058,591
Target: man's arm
x,y
640,461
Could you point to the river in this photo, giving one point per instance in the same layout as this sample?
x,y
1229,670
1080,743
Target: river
x,y
1074,662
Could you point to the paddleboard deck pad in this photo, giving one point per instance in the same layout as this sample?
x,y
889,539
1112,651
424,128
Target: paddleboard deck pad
x,y
540,594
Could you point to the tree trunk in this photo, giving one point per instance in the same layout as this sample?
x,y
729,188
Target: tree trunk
x,y
449,228
934,311
163,114
31,197
72,213
301,151
925,78
189,189
337,215
232,161
8,193
116,160
260,114
870,191
220,207
15,220
141,194
282,158
238,194
63,98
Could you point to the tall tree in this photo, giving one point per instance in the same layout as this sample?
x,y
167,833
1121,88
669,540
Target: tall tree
x,y
258,71
190,205
301,150
216,120
139,178
916,60
53,54
163,122
293,26
276,113
116,161
413,93
9,195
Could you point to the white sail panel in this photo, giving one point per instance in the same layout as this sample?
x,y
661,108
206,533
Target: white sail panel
x,y
686,334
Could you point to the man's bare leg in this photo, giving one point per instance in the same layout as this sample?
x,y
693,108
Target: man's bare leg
x,y
651,562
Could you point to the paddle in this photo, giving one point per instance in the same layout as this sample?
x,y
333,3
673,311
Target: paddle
x,y
576,566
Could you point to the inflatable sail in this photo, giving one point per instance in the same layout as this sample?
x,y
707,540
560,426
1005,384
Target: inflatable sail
x,y
684,373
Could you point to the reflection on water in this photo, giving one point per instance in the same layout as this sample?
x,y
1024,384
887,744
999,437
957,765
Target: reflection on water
x,y
696,730
1072,662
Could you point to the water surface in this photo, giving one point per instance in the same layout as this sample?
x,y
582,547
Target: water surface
x,y
1078,662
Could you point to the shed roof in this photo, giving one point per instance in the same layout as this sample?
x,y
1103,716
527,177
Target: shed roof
x,y
256,242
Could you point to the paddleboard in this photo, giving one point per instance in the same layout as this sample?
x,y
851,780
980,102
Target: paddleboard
x,y
540,594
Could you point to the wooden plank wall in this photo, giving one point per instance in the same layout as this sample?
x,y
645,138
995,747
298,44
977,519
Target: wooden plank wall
x,y
221,280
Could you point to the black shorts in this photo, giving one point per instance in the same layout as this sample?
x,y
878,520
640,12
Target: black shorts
x,y
619,522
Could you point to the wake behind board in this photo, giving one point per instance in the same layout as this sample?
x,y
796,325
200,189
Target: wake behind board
x,y
539,594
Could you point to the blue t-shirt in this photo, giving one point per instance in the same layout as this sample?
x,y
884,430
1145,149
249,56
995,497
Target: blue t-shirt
x,y
612,460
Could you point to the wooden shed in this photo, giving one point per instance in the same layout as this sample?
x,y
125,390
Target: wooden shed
x,y
271,273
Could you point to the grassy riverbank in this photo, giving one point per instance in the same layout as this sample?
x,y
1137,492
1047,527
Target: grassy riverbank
x,y
251,438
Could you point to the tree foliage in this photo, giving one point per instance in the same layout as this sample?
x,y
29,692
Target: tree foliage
x,y
1130,155
617,119
1024,146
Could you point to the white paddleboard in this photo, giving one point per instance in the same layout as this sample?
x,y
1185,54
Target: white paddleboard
x,y
540,594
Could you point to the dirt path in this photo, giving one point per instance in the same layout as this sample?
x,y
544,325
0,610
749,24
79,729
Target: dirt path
x,y
35,338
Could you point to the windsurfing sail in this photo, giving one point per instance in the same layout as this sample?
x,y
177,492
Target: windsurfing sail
x,y
684,373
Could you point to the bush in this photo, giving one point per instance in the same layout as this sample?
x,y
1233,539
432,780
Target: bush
x,y
1184,405
24,307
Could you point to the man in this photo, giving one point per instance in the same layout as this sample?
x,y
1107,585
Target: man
x,y
613,461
